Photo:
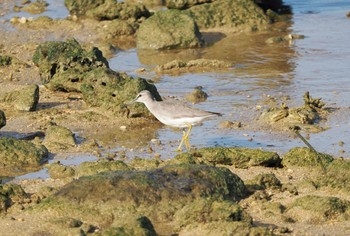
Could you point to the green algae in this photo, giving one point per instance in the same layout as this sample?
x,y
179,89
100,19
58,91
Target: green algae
x,y
162,195
237,157
59,138
318,209
9,194
24,99
301,156
92,168
19,155
168,30
337,175
59,171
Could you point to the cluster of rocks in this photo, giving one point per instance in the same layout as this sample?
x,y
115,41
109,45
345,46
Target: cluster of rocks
x,y
186,195
178,26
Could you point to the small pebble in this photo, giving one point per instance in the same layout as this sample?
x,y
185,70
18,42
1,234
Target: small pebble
x,y
123,127
341,143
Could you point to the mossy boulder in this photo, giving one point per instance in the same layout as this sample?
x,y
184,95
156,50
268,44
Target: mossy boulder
x,y
66,66
111,90
36,7
318,209
232,15
137,226
168,30
106,9
337,175
302,156
10,194
2,119
24,99
59,171
144,164
59,138
264,181
92,168
237,157
196,96
56,58
177,195
20,155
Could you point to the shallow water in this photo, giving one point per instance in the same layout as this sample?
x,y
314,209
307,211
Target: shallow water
x,y
319,64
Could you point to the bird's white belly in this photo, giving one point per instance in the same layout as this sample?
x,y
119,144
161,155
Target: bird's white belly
x,y
182,122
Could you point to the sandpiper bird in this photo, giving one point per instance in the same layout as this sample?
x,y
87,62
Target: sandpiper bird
x,y
174,113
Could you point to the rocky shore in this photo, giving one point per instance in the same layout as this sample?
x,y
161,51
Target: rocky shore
x,y
58,95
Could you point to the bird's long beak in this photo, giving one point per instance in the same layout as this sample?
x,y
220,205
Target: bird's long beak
x,y
131,102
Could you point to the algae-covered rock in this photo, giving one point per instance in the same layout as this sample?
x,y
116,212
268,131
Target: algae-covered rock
x,y
106,9
138,226
166,195
238,157
25,99
196,96
144,164
233,15
111,90
59,171
59,138
337,175
10,194
68,58
18,155
2,119
66,66
302,156
92,168
184,4
264,181
180,180
318,209
197,65
81,7
36,7
167,30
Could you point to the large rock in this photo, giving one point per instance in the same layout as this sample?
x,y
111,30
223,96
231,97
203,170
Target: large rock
x,y
318,209
56,59
231,15
238,157
106,9
167,30
25,99
110,90
59,138
304,157
2,119
178,196
20,155
11,194
66,66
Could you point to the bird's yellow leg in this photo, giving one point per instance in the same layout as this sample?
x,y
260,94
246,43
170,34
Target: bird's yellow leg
x,y
182,140
187,139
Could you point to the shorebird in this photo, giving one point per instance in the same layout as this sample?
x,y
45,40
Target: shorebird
x,y
174,113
